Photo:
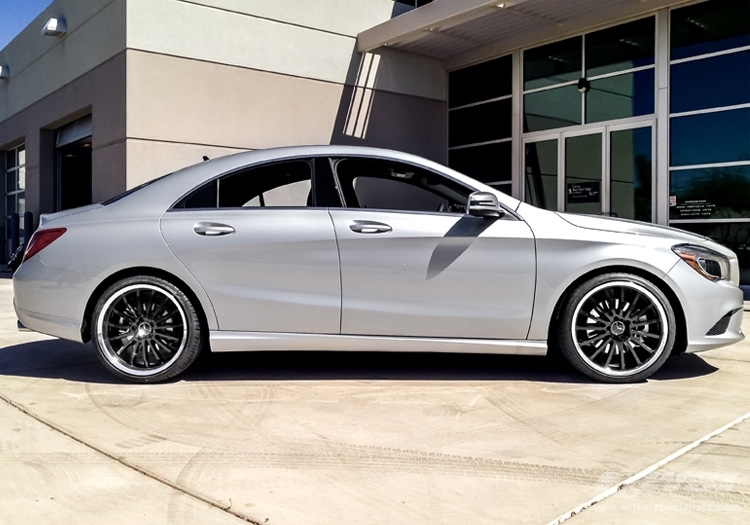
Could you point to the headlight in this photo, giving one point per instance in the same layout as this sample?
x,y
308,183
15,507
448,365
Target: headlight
x,y
710,264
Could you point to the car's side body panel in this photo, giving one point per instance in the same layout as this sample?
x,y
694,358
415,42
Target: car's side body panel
x,y
277,270
262,341
435,275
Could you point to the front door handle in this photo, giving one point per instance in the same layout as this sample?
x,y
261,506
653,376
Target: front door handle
x,y
369,227
212,229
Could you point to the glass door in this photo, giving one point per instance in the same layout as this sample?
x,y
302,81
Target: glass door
x,y
584,173
597,170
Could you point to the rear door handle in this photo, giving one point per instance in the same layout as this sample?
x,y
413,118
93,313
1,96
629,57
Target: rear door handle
x,y
369,227
212,229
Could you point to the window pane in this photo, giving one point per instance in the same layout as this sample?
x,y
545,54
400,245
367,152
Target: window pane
x,y
709,27
735,236
622,47
21,156
490,164
541,174
723,136
22,178
10,159
630,171
710,193
483,81
622,96
10,180
555,108
711,82
370,183
204,197
272,185
583,174
552,64
292,194
482,123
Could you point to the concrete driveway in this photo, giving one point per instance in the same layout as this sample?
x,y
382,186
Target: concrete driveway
x,y
316,438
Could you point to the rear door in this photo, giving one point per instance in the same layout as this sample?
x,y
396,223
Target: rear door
x,y
262,250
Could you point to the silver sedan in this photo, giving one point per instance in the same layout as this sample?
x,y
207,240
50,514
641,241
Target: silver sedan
x,y
343,248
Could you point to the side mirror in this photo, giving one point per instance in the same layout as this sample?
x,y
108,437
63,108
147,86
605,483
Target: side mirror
x,y
484,204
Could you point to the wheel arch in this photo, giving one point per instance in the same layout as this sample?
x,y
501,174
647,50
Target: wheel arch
x,y
133,272
680,343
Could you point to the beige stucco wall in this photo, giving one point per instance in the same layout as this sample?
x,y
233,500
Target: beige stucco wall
x,y
99,92
168,81
41,65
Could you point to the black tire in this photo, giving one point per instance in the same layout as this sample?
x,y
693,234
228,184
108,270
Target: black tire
x,y
145,330
617,328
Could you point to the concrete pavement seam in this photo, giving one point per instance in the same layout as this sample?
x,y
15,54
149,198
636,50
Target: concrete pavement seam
x,y
125,463
645,472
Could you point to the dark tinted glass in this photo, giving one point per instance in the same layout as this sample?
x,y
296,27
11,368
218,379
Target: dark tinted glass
x,y
710,193
541,174
384,184
711,82
490,163
630,169
203,197
238,189
483,81
621,96
723,136
622,47
709,27
583,174
552,64
482,123
554,108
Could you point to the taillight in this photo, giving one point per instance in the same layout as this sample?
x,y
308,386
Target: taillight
x,y
40,240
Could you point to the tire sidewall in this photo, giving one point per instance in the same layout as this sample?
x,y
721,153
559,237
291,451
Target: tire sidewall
x,y
192,345
566,336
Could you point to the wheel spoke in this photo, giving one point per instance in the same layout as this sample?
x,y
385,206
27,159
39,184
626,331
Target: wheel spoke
x,y
619,328
142,329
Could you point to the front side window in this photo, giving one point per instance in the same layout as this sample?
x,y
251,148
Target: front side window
x,y
388,185
282,184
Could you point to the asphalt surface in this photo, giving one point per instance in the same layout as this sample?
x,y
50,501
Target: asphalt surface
x,y
322,438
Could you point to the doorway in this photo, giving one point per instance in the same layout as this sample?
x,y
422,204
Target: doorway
x,y
73,175
605,170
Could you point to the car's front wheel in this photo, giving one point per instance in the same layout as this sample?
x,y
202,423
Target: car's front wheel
x,y
145,329
617,328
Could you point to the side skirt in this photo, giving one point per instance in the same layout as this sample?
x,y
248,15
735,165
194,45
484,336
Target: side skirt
x,y
268,341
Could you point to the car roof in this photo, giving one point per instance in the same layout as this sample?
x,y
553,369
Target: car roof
x,y
161,193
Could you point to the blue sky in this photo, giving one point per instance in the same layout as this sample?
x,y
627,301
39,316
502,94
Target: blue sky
x,y
17,14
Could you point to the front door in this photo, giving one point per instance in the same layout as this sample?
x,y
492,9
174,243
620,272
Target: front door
x,y
414,264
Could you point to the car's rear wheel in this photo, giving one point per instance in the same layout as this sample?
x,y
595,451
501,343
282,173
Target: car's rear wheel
x,y
145,329
617,328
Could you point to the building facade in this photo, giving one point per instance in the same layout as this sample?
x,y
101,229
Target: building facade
x,y
635,109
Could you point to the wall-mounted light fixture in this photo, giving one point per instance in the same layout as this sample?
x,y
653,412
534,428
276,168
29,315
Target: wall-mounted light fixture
x,y
583,85
4,72
55,27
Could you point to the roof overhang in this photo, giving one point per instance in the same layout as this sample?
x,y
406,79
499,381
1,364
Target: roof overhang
x,y
465,31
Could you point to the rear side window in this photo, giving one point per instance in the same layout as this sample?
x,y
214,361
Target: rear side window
x,y
283,184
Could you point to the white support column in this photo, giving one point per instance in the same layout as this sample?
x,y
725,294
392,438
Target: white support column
x,y
661,182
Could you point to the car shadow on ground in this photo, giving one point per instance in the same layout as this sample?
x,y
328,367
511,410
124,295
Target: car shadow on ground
x,y
57,359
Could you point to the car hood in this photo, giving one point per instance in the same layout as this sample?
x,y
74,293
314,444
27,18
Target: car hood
x,y
611,224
